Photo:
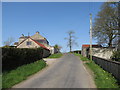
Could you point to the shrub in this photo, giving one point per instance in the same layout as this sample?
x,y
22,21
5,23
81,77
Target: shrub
x,y
116,56
14,57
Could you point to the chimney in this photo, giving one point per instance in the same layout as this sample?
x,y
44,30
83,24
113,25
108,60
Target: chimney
x,y
37,32
22,35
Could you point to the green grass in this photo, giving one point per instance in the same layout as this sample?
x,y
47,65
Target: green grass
x,y
21,73
0,81
102,78
81,57
57,55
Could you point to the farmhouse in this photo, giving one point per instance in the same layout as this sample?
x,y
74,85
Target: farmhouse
x,y
34,41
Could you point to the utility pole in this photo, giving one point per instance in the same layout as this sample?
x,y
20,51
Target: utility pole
x,y
28,41
90,36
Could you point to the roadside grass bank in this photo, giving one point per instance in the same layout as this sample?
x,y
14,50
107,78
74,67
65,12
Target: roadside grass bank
x,y
102,78
81,57
21,73
57,55
0,81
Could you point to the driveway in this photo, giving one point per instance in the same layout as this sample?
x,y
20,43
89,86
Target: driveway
x,y
66,72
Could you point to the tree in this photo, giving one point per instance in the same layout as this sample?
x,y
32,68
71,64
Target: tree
x,y
105,27
57,47
9,41
116,56
71,39
118,46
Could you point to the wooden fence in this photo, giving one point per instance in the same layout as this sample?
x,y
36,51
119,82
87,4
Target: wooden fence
x,y
110,66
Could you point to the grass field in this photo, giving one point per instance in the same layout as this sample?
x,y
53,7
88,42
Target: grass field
x,y
21,73
102,78
57,55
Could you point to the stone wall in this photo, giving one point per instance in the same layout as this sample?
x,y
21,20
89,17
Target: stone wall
x,y
101,52
85,52
105,53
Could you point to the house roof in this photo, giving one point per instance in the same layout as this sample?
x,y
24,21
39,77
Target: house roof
x,y
22,41
16,43
39,44
37,36
88,45
24,37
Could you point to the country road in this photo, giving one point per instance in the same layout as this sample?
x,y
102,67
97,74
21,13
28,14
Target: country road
x,y
66,72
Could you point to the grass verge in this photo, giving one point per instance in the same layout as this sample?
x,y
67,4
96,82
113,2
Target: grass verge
x,y
21,73
57,55
0,81
81,57
102,78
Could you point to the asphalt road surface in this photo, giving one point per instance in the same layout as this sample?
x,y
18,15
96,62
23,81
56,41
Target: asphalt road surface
x,y
66,72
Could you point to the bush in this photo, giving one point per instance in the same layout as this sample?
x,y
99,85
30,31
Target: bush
x,y
14,57
116,56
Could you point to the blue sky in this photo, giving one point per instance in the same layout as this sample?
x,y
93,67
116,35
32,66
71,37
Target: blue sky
x,y
52,19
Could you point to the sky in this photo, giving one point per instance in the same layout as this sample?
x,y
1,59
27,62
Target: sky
x,y
52,19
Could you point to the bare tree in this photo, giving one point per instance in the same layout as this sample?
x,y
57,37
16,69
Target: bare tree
x,y
71,39
9,41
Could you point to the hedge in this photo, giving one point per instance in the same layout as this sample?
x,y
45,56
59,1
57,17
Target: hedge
x,y
15,57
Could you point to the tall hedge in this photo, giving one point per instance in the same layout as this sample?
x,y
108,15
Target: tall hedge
x,y
14,57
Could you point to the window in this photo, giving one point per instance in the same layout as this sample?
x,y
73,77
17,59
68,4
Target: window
x,y
28,43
